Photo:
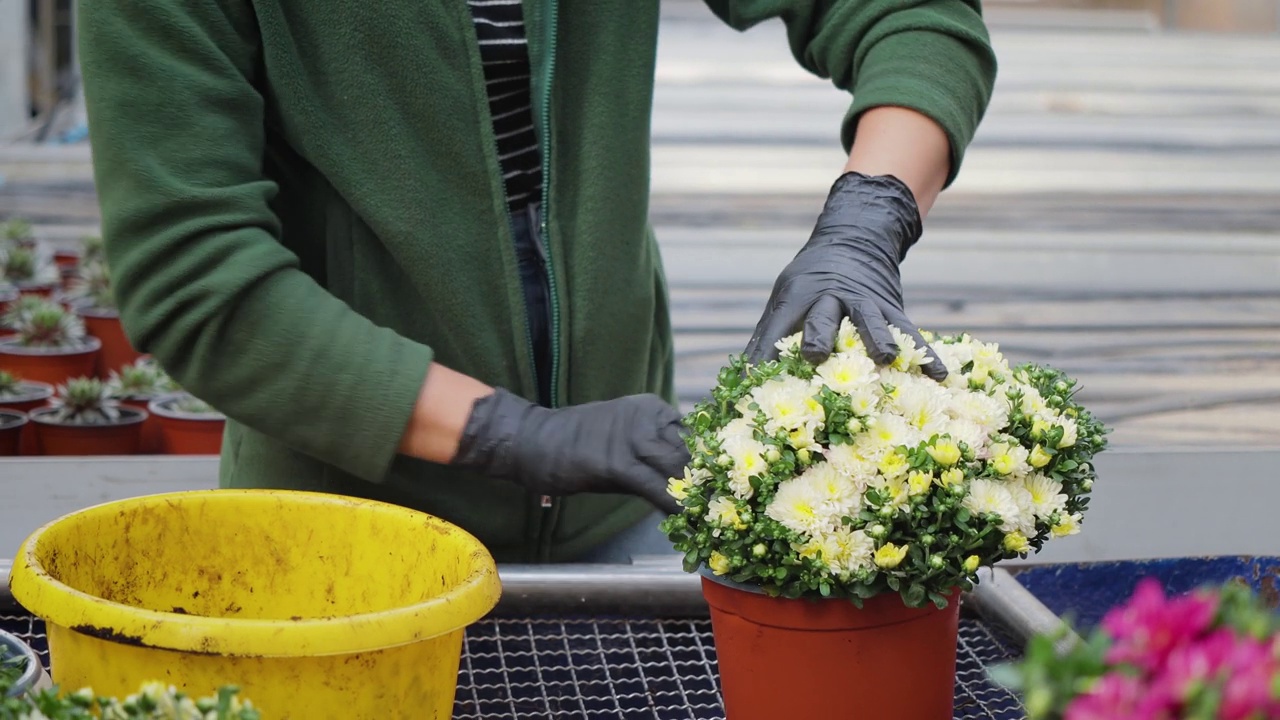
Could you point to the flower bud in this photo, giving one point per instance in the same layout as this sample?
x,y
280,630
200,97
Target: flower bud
x,y
877,531
1086,485
936,562
926,539
772,455
887,511
854,426
759,549
971,564
804,456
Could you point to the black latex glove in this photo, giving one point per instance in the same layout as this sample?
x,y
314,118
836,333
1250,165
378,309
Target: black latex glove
x,y
849,268
630,445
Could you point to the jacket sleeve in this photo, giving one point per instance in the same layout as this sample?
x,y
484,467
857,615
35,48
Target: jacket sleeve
x,y
201,279
932,56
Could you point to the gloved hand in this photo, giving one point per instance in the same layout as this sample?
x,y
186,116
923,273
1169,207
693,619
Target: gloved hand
x,y
629,445
849,268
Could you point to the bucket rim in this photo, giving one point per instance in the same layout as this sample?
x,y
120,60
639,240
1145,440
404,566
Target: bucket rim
x,y
62,605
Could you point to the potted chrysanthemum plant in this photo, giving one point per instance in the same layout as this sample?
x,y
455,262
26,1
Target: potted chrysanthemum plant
x,y
188,425
837,512
1210,654
49,343
137,385
152,701
83,419
93,301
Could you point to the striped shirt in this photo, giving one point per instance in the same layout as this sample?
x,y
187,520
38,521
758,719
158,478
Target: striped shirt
x,y
504,51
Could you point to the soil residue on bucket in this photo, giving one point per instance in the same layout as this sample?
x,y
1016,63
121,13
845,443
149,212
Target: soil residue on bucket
x,y
109,635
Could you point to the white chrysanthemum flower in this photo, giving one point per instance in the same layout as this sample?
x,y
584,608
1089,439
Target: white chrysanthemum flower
x,y
848,460
978,408
723,511
969,433
865,400
987,361
896,487
746,454
951,359
847,339
1069,432
988,496
1045,495
788,346
847,372
924,405
1025,522
788,403
804,437
815,501
899,379
843,551
887,432
910,355
1009,459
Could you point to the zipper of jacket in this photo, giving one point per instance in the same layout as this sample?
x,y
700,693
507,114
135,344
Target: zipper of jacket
x,y
550,506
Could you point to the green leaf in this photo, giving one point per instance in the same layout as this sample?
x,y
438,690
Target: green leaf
x,y
914,596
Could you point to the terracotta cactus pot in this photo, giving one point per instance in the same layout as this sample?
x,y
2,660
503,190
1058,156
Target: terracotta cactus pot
x,y
11,425
152,441
31,396
8,295
50,365
39,289
804,658
186,433
119,438
105,325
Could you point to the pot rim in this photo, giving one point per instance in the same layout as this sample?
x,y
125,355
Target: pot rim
x,y
95,312
37,285
27,680
88,344
36,391
159,408
10,419
135,417
464,603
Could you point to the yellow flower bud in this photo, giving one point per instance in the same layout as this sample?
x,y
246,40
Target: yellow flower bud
x,y
919,483
945,452
951,477
890,556
1016,542
1039,457
971,564
893,465
718,563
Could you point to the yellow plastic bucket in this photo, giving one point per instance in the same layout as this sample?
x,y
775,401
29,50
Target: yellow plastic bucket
x,y
316,606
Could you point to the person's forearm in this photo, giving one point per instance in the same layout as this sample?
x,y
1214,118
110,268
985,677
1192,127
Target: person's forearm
x,y
906,144
441,413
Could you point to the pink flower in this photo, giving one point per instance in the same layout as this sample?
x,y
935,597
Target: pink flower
x,y
1150,626
1113,697
1249,673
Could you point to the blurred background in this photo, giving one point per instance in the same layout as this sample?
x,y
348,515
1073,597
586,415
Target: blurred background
x,y
1118,217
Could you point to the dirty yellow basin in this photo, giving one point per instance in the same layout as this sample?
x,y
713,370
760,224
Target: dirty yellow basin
x,y
316,606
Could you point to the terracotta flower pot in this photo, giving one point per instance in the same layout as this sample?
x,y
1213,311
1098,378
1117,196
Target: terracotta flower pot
x,y
8,295
119,438
39,289
31,396
11,424
66,259
803,658
116,349
186,433
152,441
50,365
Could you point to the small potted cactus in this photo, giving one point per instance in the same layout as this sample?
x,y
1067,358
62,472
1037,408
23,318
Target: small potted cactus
x,y
26,269
50,344
8,296
137,385
92,300
83,419
188,425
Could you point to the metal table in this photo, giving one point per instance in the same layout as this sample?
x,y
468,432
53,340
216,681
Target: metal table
x,y
584,642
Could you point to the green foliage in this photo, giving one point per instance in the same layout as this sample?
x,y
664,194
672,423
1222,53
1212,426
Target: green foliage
x,y
143,378
93,283
84,401
42,323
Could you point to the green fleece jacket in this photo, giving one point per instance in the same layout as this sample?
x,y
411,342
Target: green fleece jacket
x,y
302,208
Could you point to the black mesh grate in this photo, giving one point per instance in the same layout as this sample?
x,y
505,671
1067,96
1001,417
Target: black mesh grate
x,y
628,669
